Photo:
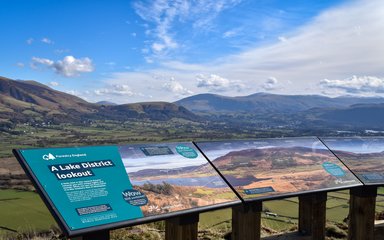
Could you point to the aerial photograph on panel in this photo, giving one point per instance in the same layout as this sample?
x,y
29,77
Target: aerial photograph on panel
x,y
174,177
269,168
364,156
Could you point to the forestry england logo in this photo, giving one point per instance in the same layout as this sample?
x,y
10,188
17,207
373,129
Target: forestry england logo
x,y
49,156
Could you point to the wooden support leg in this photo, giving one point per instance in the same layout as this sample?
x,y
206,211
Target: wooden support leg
x,y
182,228
362,213
312,210
246,221
100,235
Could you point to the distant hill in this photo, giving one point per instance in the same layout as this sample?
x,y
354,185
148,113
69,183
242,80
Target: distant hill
x,y
267,103
106,103
370,116
33,102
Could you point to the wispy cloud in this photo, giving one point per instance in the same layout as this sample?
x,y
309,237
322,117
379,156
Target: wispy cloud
x,y
340,42
69,66
20,64
54,84
47,41
29,41
167,16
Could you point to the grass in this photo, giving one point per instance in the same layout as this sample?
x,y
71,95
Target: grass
x,y
202,191
23,212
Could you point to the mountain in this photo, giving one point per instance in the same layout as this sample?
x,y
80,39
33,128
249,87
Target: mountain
x,y
262,103
369,116
106,103
33,102
161,111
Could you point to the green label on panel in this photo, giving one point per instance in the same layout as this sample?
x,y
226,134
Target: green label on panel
x,y
186,151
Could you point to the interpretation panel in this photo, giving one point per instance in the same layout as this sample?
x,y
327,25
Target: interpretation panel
x,y
174,177
272,168
363,156
101,187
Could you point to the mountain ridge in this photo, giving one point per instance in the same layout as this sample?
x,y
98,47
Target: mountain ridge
x,y
267,103
30,101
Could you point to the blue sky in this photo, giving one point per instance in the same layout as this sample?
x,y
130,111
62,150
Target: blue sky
x,y
134,51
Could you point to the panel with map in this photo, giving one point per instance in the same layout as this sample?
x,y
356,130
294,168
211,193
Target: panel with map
x,y
363,156
272,168
174,177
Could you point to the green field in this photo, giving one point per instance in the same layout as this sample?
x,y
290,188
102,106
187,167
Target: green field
x,y
23,212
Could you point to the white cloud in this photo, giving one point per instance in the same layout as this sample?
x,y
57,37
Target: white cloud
x,y
340,42
20,64
41,61
54,84
270,84
61,51
47,40
115,89
216,83
175,87
68,67
29,41
111,64
355,85
282,39
230,33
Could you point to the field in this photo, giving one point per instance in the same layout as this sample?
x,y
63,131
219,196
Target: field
x,y
24,212
115,132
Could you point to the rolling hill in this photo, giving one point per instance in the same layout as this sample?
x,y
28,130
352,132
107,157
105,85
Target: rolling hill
x,y
33,102
30,101
267,103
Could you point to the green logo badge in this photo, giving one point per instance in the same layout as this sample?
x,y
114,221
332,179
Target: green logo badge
x,y
186,151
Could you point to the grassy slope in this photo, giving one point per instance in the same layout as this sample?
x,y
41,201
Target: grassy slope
x,y
23,211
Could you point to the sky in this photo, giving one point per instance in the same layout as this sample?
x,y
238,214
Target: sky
x,y
163,50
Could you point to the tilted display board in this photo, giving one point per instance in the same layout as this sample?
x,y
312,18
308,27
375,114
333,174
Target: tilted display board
x,y
273,168
105,187
363,156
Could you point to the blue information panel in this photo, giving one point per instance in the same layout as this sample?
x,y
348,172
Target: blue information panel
x,y
273,168
99,187
364,156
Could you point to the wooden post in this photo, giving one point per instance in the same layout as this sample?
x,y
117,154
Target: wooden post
x,y
99,235
362,213
184,227
246,221
312,210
